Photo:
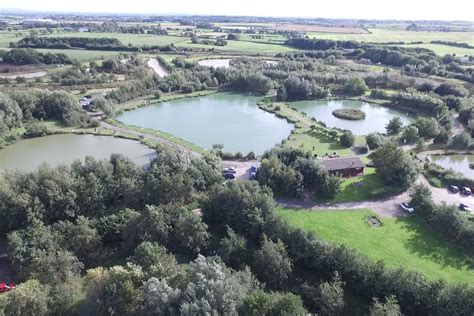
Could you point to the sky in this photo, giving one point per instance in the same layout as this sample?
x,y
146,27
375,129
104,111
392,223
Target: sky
x,y
357,9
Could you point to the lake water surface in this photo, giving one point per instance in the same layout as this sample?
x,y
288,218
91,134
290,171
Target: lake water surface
x,y
55,150
233,120
376,118
459,163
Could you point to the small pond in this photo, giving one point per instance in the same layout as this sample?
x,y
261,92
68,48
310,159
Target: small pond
x,y
226,62
154,64
215,63
55,150
376,119
233,120
459,163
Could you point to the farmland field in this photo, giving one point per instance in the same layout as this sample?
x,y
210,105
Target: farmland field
x,y
385,35
400,242
7,37
321,29
444,49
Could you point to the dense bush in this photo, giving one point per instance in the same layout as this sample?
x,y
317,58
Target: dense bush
x,y
420,102
300,89
446,219
320,44
374,140
355,86
394,166
445,89
291,172
415,294
347,139
92,43
20,56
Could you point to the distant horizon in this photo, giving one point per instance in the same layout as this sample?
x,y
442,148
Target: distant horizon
x,y
401,10
171,14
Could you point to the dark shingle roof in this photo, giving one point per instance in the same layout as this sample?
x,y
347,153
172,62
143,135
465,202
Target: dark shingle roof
x,y
334,164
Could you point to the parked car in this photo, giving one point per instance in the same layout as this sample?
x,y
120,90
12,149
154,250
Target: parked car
x,y
406,207
5,287
465,208
453,189
253,172
229,170
229,176
466,191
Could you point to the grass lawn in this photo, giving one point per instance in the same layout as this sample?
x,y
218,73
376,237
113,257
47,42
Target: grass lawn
x,y
401,242
359,188
316,141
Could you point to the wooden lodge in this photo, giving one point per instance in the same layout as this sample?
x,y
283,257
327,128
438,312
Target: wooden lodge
x,y
344,167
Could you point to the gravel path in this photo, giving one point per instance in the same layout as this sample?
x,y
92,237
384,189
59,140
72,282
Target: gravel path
x,y
148,136
27,75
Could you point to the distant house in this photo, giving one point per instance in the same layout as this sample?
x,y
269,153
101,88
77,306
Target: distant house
x,y
344,167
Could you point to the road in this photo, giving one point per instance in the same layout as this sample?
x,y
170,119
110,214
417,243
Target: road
x,y
385,207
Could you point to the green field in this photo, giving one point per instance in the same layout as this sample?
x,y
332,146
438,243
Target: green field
x,y
401,242
444,49
302,137
385,35
7,37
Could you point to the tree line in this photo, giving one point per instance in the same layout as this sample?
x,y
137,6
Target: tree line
x,y
19,106
19,56
90,43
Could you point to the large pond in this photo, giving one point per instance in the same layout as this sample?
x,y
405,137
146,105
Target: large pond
x,y
232,120
459,163
55,150
376,118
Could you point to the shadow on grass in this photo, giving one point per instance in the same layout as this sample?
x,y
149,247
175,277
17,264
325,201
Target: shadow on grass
x,y
359,190
426,243
325,139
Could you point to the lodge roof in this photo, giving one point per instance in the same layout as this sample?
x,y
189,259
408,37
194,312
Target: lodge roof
x,y
334,164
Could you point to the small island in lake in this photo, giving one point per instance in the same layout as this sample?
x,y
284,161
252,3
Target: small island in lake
x,y
349,114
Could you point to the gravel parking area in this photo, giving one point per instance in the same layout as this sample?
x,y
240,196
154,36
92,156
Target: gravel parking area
x,y
242,167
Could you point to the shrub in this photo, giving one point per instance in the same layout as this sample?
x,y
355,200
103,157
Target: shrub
x,y
355,86
347,139
36,130
461,141
374,140
394,126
